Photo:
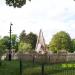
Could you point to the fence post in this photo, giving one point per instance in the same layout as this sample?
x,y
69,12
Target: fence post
x,y
33,59
42,68
0,62
20,67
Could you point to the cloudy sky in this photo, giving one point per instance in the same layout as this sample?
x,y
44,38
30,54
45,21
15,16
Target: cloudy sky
x,y
49,15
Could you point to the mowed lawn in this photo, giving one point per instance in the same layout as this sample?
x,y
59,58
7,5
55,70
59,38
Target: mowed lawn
x,y
28,68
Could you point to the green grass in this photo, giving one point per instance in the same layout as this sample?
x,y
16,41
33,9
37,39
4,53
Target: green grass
x,y
28,68
49,69
9,68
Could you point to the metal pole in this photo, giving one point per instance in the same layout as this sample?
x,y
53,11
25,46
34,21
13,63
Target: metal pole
x,y
42,68
20,67
10,43
33,59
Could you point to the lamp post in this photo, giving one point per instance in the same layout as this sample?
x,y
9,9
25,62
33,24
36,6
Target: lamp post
x,y
10,43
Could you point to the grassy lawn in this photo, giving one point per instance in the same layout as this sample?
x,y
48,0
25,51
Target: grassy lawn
x,y
9,68
13,68
50,69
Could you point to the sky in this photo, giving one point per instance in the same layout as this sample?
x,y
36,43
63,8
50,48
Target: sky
x,y
51,16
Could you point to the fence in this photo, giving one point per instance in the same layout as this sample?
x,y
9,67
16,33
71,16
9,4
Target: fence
x,y
37,64
50,58
53,64
28,68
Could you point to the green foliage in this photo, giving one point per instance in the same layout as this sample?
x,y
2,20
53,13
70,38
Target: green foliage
x,y
14,40
24,47
13,37
3,46
22,36
32,39
6,41
73,44
16,3
60,40
25,42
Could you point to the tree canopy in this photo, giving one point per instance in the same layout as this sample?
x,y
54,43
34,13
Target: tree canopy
x,y
73,44
16,3
28,40
22,36
14,42
24,47
32,39
4,44
61,40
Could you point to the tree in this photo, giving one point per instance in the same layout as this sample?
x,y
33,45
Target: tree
x,y
16,3
73,44
2,49
32,39
60,40
24,47
14,42
6,41
3,46
22,36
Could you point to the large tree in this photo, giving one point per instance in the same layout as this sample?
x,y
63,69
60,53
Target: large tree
x,y
14,42
73,44
3,46
24,47
32,39
22,36
16,3
61,40
6,41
